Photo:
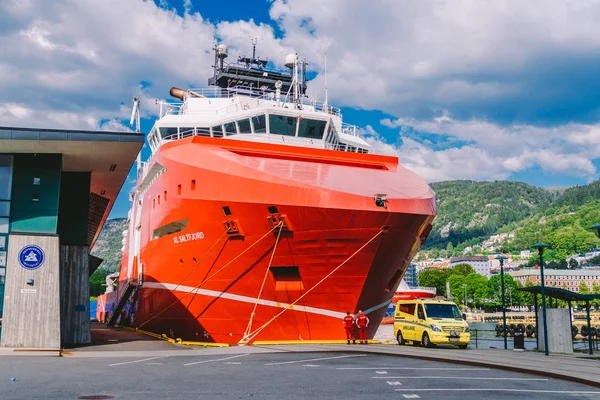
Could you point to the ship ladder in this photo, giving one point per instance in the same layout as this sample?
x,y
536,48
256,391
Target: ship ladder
x,y
249,327
210,277
131,287
253,334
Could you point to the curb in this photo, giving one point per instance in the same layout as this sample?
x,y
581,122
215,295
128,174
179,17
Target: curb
x,y
491,365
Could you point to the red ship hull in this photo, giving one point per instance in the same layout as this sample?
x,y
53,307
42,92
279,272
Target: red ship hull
x,y
336,250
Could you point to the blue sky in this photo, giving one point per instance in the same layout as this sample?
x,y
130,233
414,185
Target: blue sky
x,y
458,90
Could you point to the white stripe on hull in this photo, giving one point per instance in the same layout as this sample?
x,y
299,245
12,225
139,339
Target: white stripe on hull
x,y
252,300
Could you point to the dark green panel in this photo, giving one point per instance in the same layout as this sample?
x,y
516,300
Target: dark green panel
x,y
74,208
35,193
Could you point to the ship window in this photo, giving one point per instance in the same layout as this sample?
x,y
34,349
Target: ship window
x,y
351,149
259,123
282,125
164,132
287,278
226,210
193,184
178,189
312,129
272,210
342,146
217,131
203,131
185,132
244,125
230,128
394,281
173,227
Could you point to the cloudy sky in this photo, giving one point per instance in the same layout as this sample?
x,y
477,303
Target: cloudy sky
x,y
458,89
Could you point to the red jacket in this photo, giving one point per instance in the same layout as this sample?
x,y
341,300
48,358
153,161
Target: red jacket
x,y
362,320
348,321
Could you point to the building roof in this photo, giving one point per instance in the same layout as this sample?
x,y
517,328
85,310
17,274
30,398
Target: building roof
x,y
468,258
556,272
561,294
107,155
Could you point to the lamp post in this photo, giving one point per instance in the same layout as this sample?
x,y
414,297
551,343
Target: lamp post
x,y
501,258
540,248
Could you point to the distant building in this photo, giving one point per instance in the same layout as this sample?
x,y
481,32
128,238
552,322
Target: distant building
x,y
558,277
410,276
480,264
525,253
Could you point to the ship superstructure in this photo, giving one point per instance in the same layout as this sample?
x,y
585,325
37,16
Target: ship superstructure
x,y
260,215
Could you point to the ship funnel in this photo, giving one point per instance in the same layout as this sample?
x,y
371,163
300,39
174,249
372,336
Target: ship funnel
x,y
177,93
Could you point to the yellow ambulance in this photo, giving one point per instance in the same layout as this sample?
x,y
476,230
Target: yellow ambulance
x,y
430,322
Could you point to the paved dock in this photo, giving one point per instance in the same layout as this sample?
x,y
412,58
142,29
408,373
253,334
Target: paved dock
x,y
136,365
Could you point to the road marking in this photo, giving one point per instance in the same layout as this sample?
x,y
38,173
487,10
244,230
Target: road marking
x,y
411,396
315,359
217,359
136,361
394,383
233,362
381,372
460,377
154,363
501,390
419,368
310,365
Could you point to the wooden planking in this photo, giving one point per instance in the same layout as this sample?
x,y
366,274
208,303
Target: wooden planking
x,y
32,320
74,295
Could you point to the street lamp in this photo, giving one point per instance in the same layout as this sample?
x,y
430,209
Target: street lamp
x,y
501,258
540,248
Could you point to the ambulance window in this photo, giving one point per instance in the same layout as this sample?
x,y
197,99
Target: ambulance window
x,y
407,309
421,314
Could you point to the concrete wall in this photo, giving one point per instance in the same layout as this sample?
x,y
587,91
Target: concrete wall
x,y
559,330
31,313
74,295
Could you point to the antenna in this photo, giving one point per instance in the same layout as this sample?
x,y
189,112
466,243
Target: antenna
x,y
254,42
325,105
135,115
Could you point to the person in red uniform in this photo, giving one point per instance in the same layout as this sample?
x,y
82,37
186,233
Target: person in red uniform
x,y
349,325
362,321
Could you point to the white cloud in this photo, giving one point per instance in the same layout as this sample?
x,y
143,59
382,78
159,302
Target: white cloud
x,y
493,151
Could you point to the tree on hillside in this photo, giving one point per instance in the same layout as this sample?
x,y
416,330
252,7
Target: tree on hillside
x,y
477,288
594,260
573,263
495,285
583,288
450,249
434,278
456,283
461,269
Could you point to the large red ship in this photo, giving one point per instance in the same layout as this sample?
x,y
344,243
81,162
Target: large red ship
x,y
261,216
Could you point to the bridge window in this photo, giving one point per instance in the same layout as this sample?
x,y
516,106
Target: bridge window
x,y
230,128
170,228
203,131
351,149
244,125
217,131
282,125
312,129
185,132
164,132
260,124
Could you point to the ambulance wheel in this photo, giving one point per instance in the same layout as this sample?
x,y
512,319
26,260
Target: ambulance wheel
x,y
400,338
426,342
462,346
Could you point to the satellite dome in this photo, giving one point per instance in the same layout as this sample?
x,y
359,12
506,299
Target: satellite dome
x,y
290,60
222,50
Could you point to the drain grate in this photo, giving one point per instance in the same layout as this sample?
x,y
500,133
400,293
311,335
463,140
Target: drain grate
x,y
96,397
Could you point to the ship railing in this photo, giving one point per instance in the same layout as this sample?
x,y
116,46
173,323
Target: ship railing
x,y
349,129
253,100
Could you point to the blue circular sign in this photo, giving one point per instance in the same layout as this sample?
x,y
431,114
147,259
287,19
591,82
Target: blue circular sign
x,y
31,257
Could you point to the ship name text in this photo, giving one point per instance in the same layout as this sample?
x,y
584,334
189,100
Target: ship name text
x,y
188,237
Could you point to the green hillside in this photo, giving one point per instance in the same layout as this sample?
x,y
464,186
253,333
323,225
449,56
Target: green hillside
x,y
469,211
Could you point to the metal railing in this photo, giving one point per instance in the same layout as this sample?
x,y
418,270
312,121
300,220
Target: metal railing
x,y
170,108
